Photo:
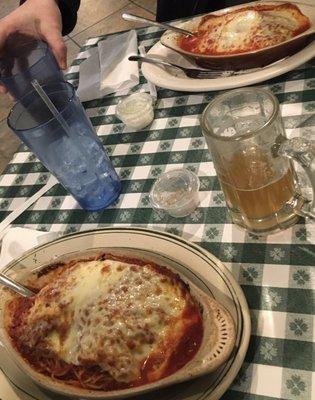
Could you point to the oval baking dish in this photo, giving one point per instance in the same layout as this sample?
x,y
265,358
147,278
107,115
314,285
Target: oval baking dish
x,y
243,60
215,348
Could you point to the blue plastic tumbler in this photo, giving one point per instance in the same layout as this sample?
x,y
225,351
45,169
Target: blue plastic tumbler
x,y
76,155
23,59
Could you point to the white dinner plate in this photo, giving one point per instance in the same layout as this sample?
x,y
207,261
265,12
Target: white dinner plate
x,y
197,264
172,79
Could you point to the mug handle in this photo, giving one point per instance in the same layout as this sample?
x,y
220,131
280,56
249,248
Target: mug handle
x,y
302,151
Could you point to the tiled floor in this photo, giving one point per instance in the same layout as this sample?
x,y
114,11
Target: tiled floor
x,y
95,17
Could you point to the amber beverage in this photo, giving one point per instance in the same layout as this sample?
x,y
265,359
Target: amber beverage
x,y
255,194
251,155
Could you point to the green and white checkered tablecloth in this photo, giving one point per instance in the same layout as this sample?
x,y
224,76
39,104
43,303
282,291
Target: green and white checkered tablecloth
x,y
276,273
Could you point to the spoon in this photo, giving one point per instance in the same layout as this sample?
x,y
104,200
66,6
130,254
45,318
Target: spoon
x,y
135,18
15,286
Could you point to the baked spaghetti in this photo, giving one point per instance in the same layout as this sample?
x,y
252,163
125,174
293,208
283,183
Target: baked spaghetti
x,y
106,323
246,29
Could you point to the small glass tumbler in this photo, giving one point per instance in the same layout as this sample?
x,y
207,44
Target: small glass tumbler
x,y
76,156
23,59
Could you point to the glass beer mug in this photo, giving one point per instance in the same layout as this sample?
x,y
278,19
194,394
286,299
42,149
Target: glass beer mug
x,y
252,157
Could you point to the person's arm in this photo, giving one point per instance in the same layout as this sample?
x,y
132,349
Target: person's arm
x,y
41,19
68,10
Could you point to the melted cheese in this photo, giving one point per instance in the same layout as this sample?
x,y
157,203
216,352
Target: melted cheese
x,y
109,313
246,29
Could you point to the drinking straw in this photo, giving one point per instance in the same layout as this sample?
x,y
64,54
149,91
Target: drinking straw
x,y
51,106
43,95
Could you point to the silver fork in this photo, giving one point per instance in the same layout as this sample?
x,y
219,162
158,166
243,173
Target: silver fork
x,y
190,72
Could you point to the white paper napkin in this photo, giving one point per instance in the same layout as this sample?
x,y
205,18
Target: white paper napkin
x,y
107,68
151,86
18,240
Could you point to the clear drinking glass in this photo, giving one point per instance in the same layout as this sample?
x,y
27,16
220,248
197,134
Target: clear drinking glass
x,y
251,154
23,59
77,157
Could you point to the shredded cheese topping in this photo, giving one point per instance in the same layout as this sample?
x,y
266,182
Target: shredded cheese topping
x,y
107,313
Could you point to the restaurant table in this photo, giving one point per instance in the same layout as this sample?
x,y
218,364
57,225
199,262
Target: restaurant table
x,y
275,272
